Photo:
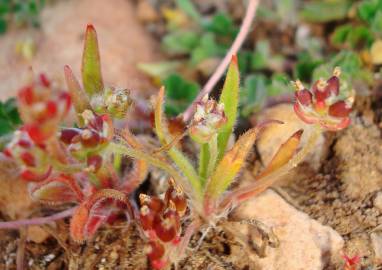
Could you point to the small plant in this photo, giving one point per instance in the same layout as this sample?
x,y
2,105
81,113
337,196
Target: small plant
x,y
207,188
65,164
83,164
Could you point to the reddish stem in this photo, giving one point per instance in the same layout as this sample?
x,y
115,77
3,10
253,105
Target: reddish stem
x,y
16,224
244,30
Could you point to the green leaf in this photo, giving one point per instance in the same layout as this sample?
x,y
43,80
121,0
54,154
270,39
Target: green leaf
x,y
279,84
3,25
159,70
179,94
177,156
321,11
367,9
222,25
253,94
180,42
230,98
189,8
305,67
9,117
376,25
207,48
351,70
230,165
341,34
91,64
261,55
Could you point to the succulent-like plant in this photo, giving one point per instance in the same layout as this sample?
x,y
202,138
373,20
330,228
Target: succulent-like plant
x,y
75,164
82,164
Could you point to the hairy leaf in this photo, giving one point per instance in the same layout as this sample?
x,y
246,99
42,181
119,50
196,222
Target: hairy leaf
x,y
95,211
283,154
79,97
58,189
230,99
91,64
180,160
230,165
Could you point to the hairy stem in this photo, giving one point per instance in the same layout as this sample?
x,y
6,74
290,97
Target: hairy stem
x,y
204,157
244,30
16,224
213,154
138,154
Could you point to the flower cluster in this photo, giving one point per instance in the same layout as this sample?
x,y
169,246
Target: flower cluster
x,y
42,107
160,220
322,104
208,119
114,102
75,164
31,157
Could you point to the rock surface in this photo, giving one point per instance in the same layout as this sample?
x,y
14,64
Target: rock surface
x,y
123,43
304,243
359,153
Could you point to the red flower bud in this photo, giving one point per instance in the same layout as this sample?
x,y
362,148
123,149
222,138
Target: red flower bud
x,y
320,91
24,143
26,95
304,97
95,162
90,138
68,134
28,159
44,80
146,216
176,196
339,109
155,250
165,228
333,86
29,175
154,203
51,109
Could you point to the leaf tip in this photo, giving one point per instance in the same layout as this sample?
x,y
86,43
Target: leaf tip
x,y
234,59
90,28
298,134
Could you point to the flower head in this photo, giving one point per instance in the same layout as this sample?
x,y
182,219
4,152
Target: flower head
x,y
31,158
322,104
208,119
114,102
95,135
42,107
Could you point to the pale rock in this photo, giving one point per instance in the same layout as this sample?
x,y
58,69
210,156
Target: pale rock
x,y
304,243
276,134
376,243
378,201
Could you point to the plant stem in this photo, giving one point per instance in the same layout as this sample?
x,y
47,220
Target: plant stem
x,y
244,30
213,154
16,224
138,154
261,184
204,157
20,255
